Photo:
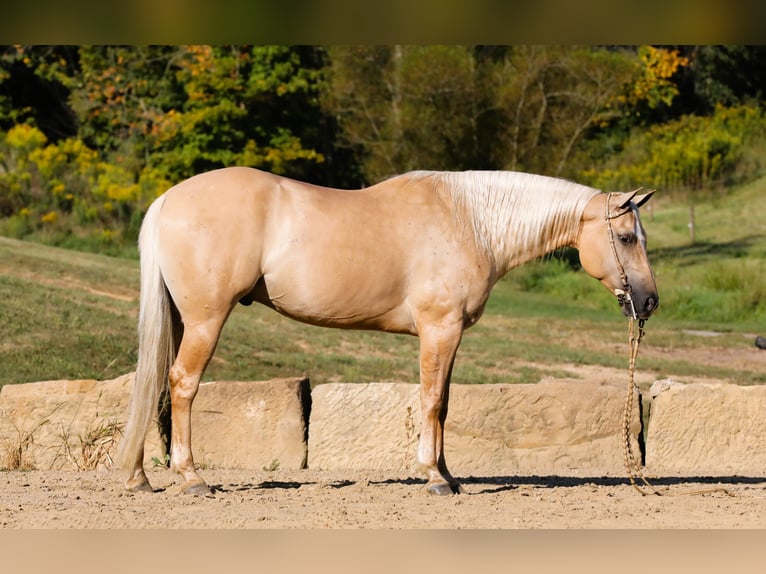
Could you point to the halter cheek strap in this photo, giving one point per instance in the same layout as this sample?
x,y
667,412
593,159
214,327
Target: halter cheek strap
x,y
624,294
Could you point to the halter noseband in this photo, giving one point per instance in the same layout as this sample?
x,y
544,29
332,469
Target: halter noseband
x,y
624,294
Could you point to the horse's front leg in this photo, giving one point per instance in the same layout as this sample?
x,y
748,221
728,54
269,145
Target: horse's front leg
x,y
437,355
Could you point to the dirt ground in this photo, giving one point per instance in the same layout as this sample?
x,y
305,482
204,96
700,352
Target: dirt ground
x,y
308,499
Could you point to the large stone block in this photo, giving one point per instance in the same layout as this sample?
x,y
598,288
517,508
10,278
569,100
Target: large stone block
x,y
78,424
251,425
553,426
66,424
707,429
367,426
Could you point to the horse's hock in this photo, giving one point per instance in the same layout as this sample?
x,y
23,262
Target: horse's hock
x,y
552,427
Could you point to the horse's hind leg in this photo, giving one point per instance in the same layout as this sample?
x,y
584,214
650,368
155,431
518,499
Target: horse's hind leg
x,y
196,349
137,481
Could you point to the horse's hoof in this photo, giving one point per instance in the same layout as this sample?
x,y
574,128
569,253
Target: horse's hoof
x,y
198,487
443,488
139,486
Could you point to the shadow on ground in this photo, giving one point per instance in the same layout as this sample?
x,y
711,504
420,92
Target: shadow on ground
x,y
502,483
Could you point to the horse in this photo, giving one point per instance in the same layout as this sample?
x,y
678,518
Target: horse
x,y
417,253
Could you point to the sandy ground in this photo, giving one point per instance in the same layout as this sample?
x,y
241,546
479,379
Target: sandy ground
x,y
306,499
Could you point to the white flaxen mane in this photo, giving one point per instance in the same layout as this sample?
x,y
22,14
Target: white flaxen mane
x,y
515,216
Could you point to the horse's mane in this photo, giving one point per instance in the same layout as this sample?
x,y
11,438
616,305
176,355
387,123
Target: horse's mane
x,y
514,216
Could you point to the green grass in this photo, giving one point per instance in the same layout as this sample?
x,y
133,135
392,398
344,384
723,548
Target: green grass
x,y
64,314
720,279
67,314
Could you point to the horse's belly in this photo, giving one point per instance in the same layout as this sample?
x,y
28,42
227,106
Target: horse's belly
x,y
332,304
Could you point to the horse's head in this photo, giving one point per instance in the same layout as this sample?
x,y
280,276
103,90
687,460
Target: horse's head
x,y
612,247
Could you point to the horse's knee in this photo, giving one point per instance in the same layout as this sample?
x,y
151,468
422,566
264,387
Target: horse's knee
x,y
432,405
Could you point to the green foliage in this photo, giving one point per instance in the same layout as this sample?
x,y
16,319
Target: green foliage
x,y
692,152
727,75
659,66
147,117
34,83
241,107
50,190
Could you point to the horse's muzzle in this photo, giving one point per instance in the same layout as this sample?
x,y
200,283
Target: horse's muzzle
x,y
638,306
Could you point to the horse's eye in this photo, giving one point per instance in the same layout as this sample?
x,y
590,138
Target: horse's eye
x,y
627,239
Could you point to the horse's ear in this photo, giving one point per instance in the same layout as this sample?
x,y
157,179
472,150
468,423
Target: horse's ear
x,y
642,199
624,199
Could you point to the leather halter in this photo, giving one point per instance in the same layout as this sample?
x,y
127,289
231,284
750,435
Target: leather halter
x,y
624,294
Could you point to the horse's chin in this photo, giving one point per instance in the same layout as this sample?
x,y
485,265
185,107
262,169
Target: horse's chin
x,y
627,310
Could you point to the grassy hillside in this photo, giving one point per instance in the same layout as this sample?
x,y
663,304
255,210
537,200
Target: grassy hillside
x,y
67,314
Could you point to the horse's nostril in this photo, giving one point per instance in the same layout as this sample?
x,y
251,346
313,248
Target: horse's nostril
x,y
650,304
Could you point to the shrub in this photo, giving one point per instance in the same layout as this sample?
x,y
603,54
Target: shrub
x,y
65,192
689,153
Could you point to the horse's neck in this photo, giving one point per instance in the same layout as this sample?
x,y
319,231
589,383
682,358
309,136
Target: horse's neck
x,y
531,237
520,217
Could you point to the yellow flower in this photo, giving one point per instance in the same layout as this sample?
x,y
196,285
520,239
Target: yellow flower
x,y
50,217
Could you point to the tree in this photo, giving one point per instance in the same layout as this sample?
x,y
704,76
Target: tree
x,y
720,75
34,87
141,118
240,106
363,93
123,93
458,107
407,107
550,96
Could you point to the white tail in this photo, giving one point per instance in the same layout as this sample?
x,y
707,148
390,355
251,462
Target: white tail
x,y
156,346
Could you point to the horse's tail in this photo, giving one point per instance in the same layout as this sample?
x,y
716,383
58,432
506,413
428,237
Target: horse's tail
x,y
158,333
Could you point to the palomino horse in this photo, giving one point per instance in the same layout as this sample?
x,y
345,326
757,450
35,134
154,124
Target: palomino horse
x,y
418,254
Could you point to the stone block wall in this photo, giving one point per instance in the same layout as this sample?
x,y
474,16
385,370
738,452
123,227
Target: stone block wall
x,y
552,427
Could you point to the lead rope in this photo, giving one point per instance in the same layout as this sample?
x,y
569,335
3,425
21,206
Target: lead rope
x,y
631,466
635,474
